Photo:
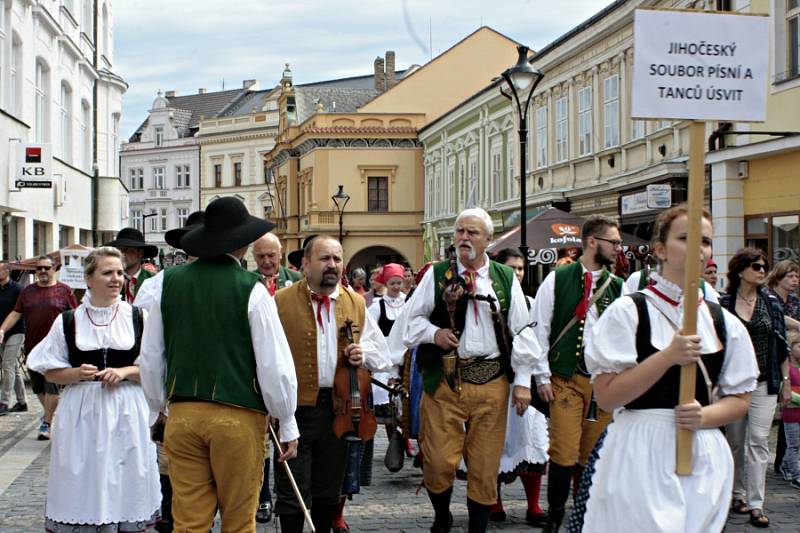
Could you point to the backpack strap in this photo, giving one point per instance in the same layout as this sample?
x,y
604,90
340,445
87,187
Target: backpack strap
x,y
68,327
718,318
643,329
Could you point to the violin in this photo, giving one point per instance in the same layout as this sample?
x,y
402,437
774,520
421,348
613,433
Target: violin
x,y
352,404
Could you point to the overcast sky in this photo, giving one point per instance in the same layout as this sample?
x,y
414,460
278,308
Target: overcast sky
x,y
182,45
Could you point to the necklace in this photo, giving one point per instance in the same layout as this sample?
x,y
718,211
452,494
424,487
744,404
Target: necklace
x,y
95,324
748,301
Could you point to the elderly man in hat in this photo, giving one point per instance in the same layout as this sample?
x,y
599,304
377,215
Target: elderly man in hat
x,y
130,242
466,361
214,348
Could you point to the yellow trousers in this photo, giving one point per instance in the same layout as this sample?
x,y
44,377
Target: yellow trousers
x,y
216,459
572,437
443,439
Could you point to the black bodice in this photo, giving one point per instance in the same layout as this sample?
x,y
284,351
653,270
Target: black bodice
x,y
102,358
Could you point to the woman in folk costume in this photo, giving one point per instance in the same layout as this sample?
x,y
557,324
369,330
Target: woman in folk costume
x,y
635,357
103,471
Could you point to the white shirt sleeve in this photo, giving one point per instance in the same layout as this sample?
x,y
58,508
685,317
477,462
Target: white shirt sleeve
x,y
612,346
274,363
149,291
632,283
374,310
740,368
419,329
710,293
152,358
526,354
51,352
374,347
542,311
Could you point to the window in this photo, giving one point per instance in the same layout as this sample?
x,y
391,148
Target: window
x,y
541,137
152,219
158,178
661,124
218,176
611,111
136,179
86,18
562,142
793,37
378,194
65,105
462,182
182,176
42,83
472,191
183,214
136,219
15,87
237,173
112,150
637,129
86,135
446,200
497,175
512,170
585,121
162,217
159,135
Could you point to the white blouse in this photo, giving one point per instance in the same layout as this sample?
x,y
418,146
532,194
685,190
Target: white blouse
x,y
394,307
52,353
612,347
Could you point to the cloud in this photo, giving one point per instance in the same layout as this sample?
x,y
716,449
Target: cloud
x,y
186,44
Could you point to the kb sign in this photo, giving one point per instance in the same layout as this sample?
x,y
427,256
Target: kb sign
x,y
34,166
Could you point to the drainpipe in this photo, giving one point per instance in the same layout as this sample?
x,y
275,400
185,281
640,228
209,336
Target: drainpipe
x,y
95,118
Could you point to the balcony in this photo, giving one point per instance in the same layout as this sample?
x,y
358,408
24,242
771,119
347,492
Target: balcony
x,y
158,193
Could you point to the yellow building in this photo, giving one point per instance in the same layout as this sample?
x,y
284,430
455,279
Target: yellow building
x,y
328,138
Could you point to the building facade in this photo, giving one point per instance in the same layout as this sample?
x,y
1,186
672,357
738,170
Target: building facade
x,y
58,90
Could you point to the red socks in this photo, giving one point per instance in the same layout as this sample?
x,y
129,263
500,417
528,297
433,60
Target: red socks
x,y
532,481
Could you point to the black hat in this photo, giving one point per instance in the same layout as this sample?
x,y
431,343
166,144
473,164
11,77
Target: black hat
x,y
227,226
295,258
173,236
133,238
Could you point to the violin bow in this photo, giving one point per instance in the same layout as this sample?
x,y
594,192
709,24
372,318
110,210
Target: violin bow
x,y
292,481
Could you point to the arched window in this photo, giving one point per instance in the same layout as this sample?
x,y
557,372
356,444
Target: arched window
x,y
86,136
106,35
42,104
15,85
65,107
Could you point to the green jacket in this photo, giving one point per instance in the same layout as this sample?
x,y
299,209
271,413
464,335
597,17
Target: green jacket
x,y
288,275
143,275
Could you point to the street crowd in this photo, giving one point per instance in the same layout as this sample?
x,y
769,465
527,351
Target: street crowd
x,y
169,396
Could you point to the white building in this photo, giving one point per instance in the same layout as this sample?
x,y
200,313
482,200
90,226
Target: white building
x,y
57,87
161,161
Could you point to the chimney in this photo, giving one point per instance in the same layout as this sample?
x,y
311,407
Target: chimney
x,y
250,84
380,75
170,94
201,90
391,78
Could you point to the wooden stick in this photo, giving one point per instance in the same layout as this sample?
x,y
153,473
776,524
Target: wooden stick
x,y
691,283
291,480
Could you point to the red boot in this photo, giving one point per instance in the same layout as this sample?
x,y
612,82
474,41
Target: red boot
x,y
532,482
339,524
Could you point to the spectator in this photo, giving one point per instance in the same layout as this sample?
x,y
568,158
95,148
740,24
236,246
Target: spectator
x,y
12,376
710,273
39,304
376,288
358,281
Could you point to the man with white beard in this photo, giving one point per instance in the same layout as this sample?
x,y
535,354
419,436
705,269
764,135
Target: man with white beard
x,y
465,367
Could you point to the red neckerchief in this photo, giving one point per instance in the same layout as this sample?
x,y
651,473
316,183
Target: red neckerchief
x,y
325,301
674,303
583,306
129,285
271,286
470,278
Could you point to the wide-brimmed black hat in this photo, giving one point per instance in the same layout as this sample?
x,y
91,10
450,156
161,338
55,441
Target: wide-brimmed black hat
x,y
133,238
295,258
227,226
173,236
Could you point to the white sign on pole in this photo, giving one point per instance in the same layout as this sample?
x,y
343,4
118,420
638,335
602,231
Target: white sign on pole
x,y
71,271
659,196
700,65
34,166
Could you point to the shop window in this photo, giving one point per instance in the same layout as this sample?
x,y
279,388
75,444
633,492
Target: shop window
x,y
785,238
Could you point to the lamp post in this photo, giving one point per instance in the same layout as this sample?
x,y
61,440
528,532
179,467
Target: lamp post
x,y
340,199
144,223
522,80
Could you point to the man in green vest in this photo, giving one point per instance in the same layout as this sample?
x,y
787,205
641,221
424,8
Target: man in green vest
x,y
568,303
130,242
465,336
268,252
213,347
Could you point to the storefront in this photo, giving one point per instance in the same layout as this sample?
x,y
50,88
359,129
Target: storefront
x,y
639,207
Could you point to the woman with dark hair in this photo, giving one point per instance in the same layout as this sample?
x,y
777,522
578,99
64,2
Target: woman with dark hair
x,y
762,315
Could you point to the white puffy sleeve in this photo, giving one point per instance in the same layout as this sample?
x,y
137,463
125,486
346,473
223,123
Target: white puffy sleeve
x,y
612,345
740,368
51,353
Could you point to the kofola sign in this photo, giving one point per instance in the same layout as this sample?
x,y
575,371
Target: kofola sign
x,y
699,65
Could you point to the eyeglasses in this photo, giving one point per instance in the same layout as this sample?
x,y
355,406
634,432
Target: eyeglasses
x,y
614,242
42,268
759,266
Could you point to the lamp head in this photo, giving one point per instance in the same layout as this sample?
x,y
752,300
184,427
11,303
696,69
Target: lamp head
x,y
340,199
522,76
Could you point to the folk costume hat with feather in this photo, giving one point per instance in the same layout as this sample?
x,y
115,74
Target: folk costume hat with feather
x,y
227,226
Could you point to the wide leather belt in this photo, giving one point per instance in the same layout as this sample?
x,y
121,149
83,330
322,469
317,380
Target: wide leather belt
x,y
479,370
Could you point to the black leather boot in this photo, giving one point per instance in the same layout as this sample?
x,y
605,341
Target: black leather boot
x,y
554,518
292,523
478,516
322,516
443,520
559,479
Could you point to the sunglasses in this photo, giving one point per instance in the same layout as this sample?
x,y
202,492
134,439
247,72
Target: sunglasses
x,y
758,266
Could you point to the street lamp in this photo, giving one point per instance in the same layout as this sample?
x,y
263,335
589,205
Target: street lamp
x,y
522,78
340,199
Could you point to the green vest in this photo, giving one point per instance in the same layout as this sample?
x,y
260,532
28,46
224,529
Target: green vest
x,y
568,291
502,281
287,274
210,354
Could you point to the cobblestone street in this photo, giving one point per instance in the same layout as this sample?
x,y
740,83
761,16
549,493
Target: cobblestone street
x,y
390,504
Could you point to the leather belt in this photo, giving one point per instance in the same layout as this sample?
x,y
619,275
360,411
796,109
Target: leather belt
x,y
480,370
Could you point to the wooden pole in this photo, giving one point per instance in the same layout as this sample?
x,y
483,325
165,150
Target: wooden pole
x,y
291,480
691,282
